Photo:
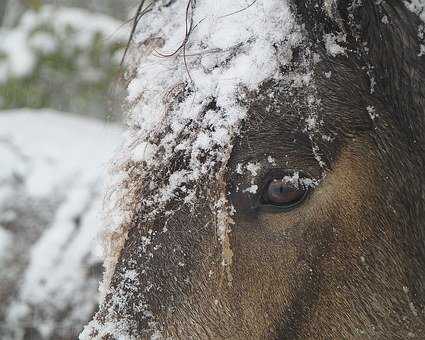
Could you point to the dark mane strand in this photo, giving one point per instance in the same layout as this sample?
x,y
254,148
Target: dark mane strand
x,y
140,12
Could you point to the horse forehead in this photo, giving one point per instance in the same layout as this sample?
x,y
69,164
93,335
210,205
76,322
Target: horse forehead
x,y
196,97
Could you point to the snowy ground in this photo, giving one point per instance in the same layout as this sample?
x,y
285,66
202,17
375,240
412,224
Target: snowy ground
x,y
52,171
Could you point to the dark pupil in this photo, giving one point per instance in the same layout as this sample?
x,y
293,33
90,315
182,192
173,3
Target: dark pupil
x,y
283,193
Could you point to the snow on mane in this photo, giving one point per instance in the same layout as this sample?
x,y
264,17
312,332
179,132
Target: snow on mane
x,y
191,65
230,50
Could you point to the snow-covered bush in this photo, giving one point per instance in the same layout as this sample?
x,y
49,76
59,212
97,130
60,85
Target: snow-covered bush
x,y
51,193
62,58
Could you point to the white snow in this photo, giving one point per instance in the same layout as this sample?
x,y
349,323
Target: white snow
x,y
231,50
372,112
5,243
59,158
271,160
252,189
333,44
296,180
253,168
417,7
214,40
19,60
48,165
385,20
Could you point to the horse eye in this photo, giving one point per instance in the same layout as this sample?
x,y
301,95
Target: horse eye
x,y
283,193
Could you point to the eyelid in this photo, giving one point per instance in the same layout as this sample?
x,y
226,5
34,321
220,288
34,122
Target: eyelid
x,y
278,173
270,208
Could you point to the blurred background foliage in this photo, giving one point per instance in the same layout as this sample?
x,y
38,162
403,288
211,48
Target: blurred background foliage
x,y
63,55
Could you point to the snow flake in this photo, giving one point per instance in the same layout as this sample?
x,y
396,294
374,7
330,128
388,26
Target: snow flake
x,y
252,189
372,112
333,44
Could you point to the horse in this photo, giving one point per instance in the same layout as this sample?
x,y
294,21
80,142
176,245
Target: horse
x,y
272,186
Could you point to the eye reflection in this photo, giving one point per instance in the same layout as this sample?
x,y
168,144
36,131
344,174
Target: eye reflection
x,y
284,193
